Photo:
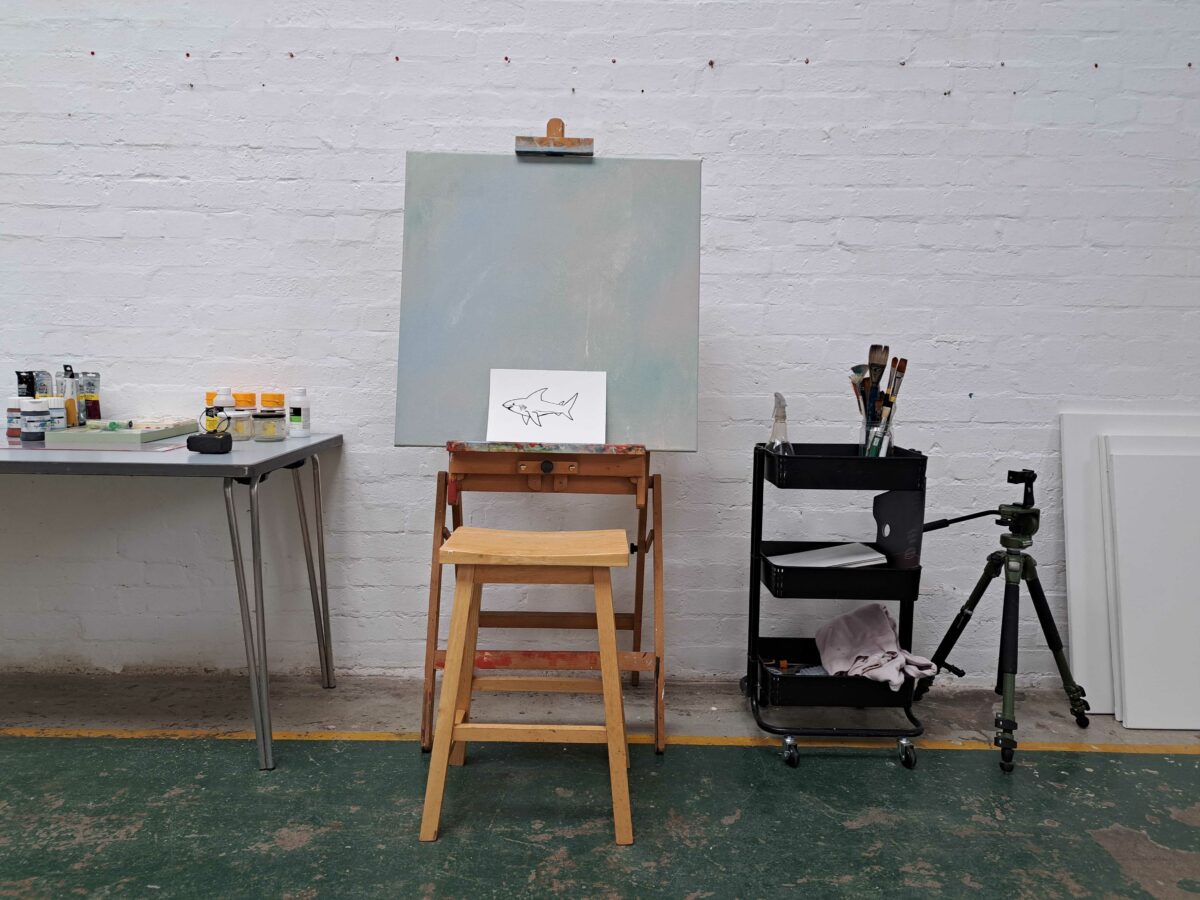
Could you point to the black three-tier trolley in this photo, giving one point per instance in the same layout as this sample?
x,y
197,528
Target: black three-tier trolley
x,y
772,662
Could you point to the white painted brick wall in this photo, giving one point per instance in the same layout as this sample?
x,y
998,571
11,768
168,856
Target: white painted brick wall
x,y
194,194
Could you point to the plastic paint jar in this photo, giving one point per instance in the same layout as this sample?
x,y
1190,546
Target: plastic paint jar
x,y
247,400
13,417
299,413
271,400
270,425
58,414
241,424
35,419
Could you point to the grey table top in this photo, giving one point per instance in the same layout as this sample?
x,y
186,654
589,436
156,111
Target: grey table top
x,y
248,459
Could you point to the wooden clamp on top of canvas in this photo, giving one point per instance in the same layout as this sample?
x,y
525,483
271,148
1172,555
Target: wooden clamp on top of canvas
x,y
554,143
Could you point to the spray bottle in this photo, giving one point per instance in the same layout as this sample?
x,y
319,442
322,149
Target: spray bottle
x,y
778,442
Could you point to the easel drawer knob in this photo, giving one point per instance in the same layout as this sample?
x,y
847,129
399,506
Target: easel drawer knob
x,y
546,467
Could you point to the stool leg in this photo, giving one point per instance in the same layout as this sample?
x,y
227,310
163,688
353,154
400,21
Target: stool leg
x,y
443,732
660,671
462,706
431,622
614,708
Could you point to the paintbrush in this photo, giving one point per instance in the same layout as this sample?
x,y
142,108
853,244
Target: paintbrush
x,y
892,376
868,394
901,368
877,359
857,373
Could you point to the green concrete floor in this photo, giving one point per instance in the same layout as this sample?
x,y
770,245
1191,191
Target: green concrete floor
x,y
191,818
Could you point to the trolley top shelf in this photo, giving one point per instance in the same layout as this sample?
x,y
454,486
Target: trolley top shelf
x,y
841,467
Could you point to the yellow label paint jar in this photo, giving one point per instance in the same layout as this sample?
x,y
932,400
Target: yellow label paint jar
x,y
270,424
241,425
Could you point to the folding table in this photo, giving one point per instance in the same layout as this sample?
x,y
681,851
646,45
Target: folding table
x,y
249,463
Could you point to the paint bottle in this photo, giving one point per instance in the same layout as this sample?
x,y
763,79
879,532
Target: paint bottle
x,y
208,423
241,419
13,418
58,414
241,424
26,384
270,425
66,385
89,394
35,419
270,422
299,413
43,384
217,406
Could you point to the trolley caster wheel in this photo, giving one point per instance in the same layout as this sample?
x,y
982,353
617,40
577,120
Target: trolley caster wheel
x,y
908,753
1082,721
1006,760
791,752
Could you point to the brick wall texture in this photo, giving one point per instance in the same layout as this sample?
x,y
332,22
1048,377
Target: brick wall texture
x,y
201,194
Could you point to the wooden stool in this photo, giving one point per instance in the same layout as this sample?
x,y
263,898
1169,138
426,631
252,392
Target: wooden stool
x,y
487,556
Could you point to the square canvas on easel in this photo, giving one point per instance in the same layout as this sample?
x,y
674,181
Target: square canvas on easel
x,y
563,264
540,406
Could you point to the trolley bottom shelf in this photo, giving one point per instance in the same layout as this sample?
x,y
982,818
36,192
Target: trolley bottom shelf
x,y
777,683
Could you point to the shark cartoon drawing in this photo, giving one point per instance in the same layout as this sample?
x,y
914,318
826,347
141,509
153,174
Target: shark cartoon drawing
x,y
532,407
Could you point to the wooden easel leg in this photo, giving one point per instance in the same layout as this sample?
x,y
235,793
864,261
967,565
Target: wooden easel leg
x,y
462,706
614,707
660,674
431,628
639,589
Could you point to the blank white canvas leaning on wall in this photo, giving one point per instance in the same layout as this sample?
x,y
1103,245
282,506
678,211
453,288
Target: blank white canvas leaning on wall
x,y
1151,500
1087,587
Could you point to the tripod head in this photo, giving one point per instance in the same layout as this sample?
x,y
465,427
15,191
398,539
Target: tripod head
x,y
1021,519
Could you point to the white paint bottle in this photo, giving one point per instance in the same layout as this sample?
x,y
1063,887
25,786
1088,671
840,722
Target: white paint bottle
x,y
299,413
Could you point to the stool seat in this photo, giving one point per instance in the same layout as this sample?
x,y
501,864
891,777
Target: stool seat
x,y
495,547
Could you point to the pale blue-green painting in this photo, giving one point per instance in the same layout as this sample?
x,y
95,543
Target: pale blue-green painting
x,y
549,263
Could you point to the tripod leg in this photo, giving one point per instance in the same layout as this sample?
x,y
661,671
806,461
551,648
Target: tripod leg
x,y
990,570
1075,692
1006,722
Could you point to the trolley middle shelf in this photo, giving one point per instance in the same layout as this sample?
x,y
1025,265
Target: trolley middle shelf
x,y
825,583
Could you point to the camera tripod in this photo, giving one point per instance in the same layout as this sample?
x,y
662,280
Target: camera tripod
x,y
1022,519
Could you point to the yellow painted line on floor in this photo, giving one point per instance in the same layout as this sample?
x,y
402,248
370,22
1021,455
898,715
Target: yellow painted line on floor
x,y
679,740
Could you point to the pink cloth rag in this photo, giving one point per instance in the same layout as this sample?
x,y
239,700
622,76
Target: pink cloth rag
x,y
864,642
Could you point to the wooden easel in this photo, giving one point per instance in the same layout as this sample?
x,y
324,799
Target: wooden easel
x,y
552,468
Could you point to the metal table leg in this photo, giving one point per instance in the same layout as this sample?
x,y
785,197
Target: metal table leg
x,y
264,690
320,596
262,732
316,465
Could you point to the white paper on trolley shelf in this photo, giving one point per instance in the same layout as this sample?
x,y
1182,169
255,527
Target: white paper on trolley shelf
x,y
839,556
